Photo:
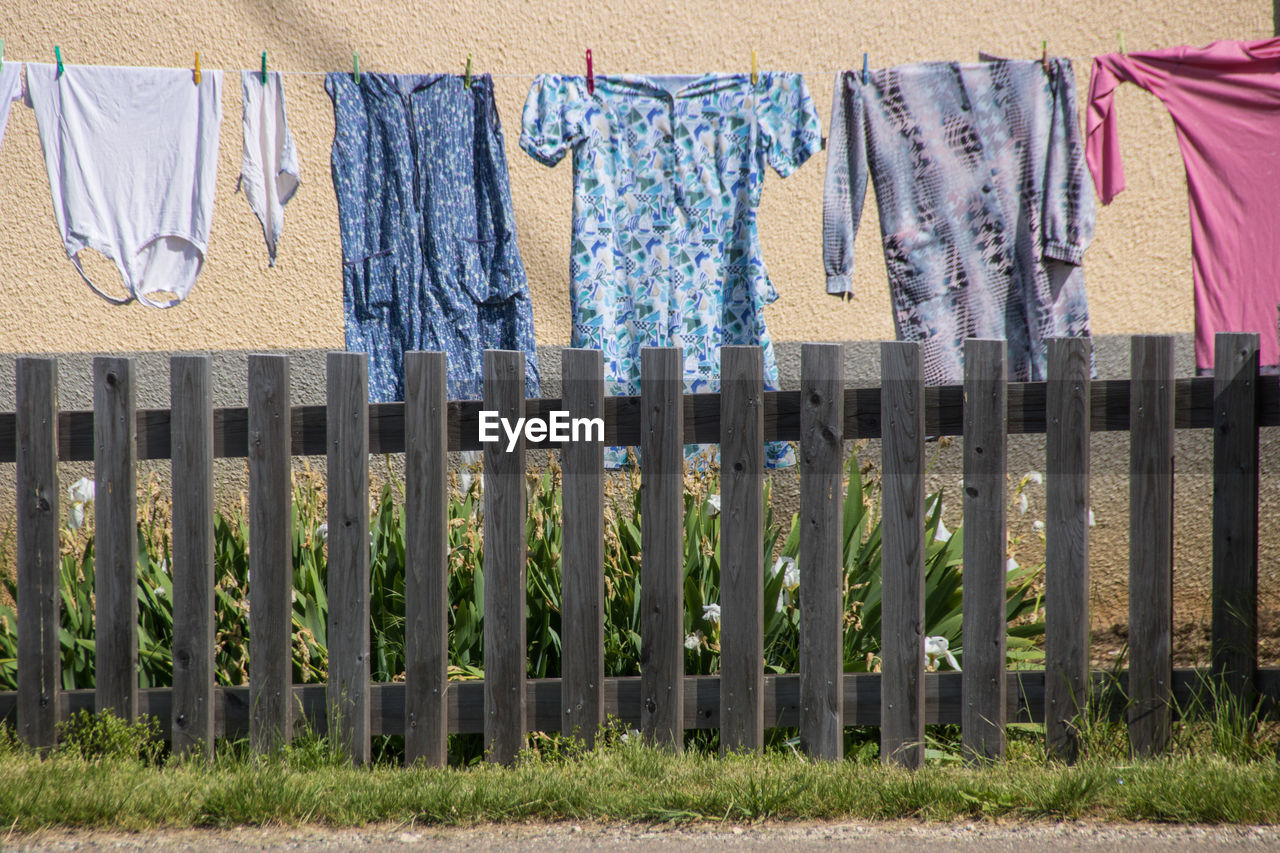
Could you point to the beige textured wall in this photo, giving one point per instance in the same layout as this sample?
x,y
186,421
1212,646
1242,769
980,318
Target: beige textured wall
x,y
1138,270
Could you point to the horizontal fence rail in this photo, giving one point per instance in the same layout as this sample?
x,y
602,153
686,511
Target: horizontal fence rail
x,y
663,702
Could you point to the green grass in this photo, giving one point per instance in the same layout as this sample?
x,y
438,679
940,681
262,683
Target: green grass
x,y
107,775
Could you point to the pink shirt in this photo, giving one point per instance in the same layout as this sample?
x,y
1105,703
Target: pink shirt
x,y
1225,104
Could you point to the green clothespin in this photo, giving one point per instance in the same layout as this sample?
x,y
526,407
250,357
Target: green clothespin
x,y
466,80
1,53
57,52
355,65
264,68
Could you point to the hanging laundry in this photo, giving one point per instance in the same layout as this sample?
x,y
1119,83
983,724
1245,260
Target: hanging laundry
x,y
985,207
132,156
269,166
10,91
1222,99
429,252
667,178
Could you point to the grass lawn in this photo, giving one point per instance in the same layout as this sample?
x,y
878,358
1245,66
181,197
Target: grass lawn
x,y
112,776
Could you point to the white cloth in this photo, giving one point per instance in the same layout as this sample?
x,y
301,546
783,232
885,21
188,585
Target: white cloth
x,y
132,155
10,91
269,170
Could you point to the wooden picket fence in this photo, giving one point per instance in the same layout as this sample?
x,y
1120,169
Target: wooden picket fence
x,y
662,702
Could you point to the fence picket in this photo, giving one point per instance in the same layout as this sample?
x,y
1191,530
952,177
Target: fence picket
x,y
820,556
348,500
985,409
1150,543
270,554
662,547
116,537
902,555
582,579
1066,640
505,509
1235,514
426,583
39,556
741,564
191,401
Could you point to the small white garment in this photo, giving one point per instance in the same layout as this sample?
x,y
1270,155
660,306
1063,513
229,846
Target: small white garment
x,y
269,171
132,155
10,91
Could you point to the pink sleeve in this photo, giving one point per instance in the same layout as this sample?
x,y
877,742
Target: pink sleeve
x,y
1102,140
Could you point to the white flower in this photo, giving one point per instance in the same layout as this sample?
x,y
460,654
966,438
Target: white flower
x,y
464,480
77,516
1034,477
1037,526
160,592
81,490
693,641
1011,565
630,735
1091,521
938,647
1022,503
714,502
322,532
711,612
942,534
790,570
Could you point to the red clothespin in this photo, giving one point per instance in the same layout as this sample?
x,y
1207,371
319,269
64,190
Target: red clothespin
x,y
1044,55
591,75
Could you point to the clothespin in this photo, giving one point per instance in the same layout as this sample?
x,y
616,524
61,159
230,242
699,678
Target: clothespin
x,y
198,75
755,68
264,68
591,76
355,65
1122,50
57,53
1,53
866,75
466,78
1044,55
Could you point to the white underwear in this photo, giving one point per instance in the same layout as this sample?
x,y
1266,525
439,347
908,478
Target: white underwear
x,y
269,169
132,155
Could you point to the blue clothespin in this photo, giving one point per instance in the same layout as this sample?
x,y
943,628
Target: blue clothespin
x,y
264,68
355,65
57,52
866,75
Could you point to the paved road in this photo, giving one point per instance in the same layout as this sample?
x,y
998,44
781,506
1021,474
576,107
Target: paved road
x,y
565,838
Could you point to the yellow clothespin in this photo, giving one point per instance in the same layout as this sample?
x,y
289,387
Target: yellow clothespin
x,y
466,79
755,68
198,75
1122,50
1044,55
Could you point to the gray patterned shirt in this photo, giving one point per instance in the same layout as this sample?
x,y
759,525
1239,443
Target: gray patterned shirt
x,y
985,205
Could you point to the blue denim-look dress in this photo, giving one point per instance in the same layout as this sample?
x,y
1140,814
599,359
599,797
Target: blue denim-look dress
x,y
429,254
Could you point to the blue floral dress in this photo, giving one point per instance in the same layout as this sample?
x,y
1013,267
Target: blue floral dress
x,y
666,181
429,254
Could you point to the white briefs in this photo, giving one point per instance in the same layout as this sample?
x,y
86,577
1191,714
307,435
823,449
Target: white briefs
x,y
269,170
132,155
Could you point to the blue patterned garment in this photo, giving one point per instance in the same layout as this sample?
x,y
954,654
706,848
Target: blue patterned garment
x,y
667,172
429,254
985,205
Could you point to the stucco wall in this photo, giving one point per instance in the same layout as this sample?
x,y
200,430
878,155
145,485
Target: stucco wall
x,y
1138,270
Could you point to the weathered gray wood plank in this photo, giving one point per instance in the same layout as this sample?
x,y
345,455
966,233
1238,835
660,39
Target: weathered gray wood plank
x,y
821,550
116,537
983,719
662,546
1235,514
1151,543
191,395
426,585
505,509
902,555
1066,643
270,553
348,582
582,578
741,564
39,556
